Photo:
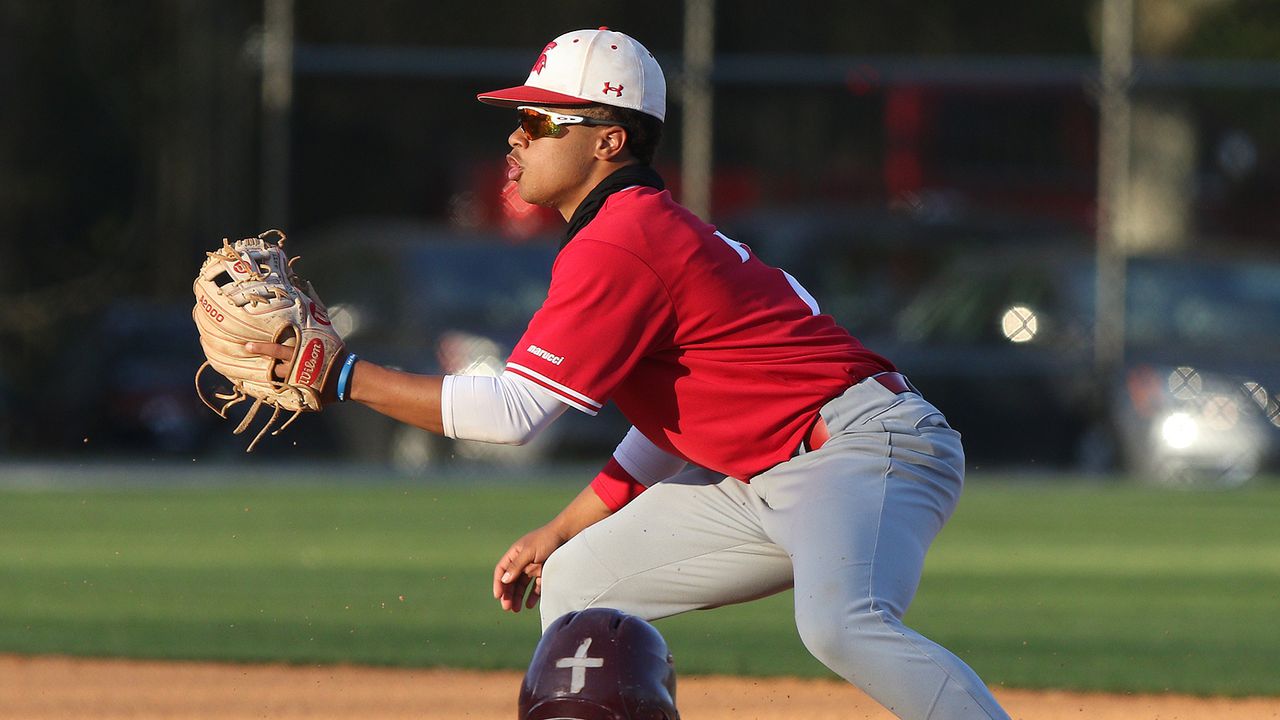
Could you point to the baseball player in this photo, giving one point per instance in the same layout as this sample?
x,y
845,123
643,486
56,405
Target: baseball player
x,y
769,448
600,664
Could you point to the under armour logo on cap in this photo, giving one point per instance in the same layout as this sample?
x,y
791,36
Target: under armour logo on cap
x,y
587,67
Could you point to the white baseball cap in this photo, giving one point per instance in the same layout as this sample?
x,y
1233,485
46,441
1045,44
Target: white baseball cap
x,y
590,67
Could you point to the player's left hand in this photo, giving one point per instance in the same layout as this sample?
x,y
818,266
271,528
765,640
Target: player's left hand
x,y
282,353
520,569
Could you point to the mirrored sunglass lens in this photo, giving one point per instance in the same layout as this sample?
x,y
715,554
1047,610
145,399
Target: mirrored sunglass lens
x,y
537,125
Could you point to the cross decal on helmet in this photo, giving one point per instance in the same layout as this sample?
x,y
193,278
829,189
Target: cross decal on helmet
x,y
579,662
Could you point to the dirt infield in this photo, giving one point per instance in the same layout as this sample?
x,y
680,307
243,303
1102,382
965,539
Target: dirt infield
x,y
76,689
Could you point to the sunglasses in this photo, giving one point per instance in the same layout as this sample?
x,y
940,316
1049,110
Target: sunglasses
x,y
540,122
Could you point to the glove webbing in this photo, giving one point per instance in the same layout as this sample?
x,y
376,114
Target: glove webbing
x,y
238,396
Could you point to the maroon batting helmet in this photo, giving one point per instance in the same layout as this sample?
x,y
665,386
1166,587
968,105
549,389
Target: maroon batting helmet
x,y
600,664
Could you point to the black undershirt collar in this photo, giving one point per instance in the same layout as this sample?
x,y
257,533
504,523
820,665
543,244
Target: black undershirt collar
x,y
622,178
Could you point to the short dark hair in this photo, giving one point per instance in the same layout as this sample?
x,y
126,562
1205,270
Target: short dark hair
x,y
644,131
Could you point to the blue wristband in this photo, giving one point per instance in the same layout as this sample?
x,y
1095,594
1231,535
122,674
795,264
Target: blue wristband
x,y
344,376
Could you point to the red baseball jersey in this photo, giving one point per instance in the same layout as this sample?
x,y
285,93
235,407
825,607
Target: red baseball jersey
x,y
712,354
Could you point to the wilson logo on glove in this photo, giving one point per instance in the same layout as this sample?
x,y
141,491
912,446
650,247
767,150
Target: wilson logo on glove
x,y
312,359
251,283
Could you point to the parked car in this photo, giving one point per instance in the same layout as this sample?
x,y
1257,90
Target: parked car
x,y
432,299
134,394
1005,344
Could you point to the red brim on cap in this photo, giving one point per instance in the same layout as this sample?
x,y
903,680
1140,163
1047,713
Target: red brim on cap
x,y
526,95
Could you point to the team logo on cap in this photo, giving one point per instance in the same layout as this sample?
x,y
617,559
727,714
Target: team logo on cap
x,y
611,89
541,62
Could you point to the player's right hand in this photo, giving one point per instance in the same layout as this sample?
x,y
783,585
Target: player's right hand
x,y
517,578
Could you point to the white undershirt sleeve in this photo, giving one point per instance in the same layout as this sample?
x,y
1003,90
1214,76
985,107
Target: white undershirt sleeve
x,y
644,461
506,409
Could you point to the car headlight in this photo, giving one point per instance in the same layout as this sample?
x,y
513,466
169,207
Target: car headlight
x,y
1179,430
1019,324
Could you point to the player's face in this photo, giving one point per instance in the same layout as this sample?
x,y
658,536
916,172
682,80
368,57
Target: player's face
x,y
554,171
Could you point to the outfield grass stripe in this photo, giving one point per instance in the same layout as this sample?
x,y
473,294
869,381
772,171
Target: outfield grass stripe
x,y
1084,586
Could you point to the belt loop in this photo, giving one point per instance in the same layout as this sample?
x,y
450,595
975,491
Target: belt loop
x,y
818,435
895,382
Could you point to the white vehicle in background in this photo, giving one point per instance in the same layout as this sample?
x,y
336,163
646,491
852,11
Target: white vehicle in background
x,y
1194,403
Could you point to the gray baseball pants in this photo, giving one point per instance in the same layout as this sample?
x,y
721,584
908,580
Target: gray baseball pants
x,y
846,525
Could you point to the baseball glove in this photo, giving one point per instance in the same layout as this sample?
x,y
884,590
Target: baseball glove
x,y
246,291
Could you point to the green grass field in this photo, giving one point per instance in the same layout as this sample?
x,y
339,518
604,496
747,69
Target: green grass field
x,y
1045,584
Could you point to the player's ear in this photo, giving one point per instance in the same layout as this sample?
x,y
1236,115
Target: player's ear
x,y
610,142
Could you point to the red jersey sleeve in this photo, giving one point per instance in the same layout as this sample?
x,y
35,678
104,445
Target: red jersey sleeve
x,y
615,486
605,310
